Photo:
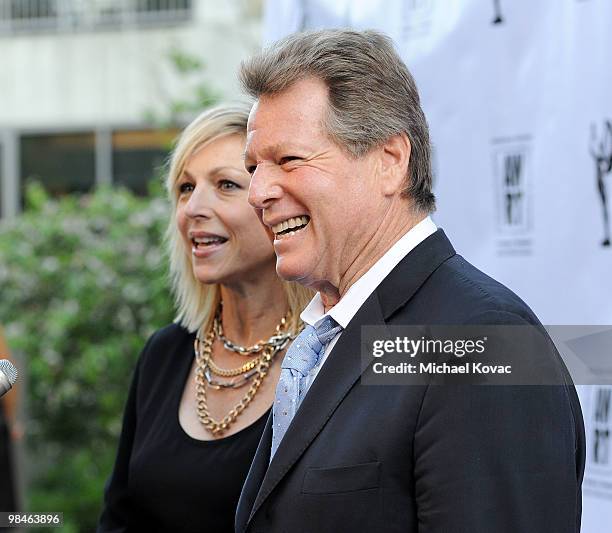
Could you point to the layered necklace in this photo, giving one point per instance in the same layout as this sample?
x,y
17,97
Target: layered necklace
x,y
253,371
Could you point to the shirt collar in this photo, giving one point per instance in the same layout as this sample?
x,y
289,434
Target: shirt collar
x,y
359,292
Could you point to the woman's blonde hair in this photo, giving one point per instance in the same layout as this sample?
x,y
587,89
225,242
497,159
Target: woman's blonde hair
x,y
195,301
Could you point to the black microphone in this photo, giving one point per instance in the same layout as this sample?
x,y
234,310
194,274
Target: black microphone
x,y
8,376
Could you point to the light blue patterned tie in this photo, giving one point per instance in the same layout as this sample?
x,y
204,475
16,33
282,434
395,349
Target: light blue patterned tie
x,y
302,356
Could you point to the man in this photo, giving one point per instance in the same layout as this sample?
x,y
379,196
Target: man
x,y
339,153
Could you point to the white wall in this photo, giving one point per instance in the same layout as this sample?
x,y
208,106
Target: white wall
x,y
110,77
535,86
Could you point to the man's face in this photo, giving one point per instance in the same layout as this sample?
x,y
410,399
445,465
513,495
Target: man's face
x,y
321,204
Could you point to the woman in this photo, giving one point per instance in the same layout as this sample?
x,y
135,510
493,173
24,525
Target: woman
x,y
203,386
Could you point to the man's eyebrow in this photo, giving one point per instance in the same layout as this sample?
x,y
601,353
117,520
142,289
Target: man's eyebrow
x,y
279,147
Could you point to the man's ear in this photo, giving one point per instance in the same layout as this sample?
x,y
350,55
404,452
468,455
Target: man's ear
x,y
395,156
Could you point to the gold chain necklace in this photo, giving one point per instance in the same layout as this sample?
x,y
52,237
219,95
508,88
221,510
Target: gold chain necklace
x,y
231,372
279,336
203,354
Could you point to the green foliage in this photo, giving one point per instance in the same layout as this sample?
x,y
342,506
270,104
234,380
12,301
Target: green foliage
x,y
184,63
188,69
82,285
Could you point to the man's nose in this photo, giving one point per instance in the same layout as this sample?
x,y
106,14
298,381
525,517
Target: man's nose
x,y
264,188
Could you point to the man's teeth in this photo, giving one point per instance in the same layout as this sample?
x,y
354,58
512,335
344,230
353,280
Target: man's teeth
x,y
291,223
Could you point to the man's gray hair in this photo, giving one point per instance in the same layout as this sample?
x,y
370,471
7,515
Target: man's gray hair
x,y
372,95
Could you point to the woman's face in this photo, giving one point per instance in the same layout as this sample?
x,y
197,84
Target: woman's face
x,y
228,243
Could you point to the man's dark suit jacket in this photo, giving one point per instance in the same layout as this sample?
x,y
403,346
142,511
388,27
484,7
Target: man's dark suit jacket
x,y
427,459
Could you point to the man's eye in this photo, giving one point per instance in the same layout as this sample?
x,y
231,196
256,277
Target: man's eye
x,y
227,185
251,169
288,159
185,187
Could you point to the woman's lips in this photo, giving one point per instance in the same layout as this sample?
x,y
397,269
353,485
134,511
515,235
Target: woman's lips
x,y
205,246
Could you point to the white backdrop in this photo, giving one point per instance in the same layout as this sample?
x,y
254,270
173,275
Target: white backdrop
x,y
518,95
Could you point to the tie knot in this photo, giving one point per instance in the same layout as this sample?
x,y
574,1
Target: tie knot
x,y
327,330
306,350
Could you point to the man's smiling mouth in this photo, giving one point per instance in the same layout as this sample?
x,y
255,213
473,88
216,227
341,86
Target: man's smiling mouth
x,y
290,226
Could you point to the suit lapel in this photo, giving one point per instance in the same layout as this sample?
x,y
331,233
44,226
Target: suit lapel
x,y
337,376
411,272
341,370
255,477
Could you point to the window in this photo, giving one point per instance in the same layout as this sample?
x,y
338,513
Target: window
x,y
139,156
63,163
75,15
29,9
163,5
28,14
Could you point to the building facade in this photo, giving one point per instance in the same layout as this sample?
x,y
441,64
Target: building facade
x,y
86,85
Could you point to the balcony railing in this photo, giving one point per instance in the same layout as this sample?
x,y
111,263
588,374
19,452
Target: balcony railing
x,y
18,16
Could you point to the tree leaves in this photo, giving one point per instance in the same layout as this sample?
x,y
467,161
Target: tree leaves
x,y
82,285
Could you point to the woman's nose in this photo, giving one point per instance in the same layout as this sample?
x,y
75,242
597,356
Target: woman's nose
x,y
199,203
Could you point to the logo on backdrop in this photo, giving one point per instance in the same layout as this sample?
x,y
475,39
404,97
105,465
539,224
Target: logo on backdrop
x,y
601,151
598,475
497,17
512,174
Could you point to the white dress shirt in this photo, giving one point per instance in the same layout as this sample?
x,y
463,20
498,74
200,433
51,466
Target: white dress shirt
x,y
359,292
